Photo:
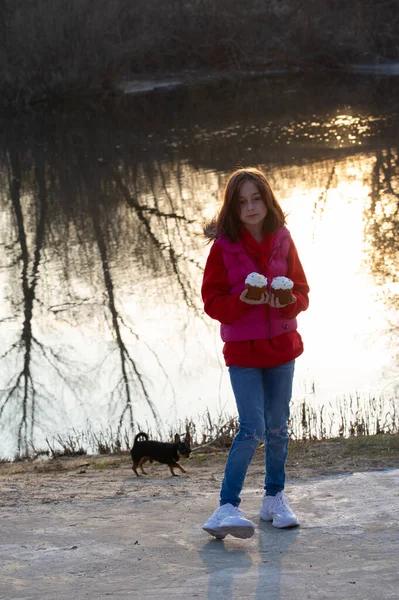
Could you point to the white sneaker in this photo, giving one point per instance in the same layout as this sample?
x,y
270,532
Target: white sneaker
x,y
277,509
229,519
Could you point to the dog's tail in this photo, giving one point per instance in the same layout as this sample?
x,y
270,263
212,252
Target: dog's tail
x,y
141,434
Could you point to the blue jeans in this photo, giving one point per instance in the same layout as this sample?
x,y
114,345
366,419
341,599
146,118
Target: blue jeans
x,y
263,404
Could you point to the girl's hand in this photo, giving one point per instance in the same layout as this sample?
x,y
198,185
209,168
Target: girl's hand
x,y
274,302
263,298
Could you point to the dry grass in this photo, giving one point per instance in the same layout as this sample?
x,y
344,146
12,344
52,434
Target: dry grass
x,y
341,455
356,420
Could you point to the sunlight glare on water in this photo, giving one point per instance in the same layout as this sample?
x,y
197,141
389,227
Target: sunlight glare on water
x,y
101,316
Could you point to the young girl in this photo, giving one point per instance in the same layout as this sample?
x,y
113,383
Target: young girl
x,y
261,341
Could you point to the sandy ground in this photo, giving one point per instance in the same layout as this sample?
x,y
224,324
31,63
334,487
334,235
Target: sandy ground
x,y
89,528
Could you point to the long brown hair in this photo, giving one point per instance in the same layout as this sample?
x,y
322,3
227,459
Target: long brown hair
x,y
227,222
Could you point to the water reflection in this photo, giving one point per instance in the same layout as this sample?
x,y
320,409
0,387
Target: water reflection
x,y
382,220
101,319
381,233
77,225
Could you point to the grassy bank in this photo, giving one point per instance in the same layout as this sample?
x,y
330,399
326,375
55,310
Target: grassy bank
x,y
52,50
341,455
305,458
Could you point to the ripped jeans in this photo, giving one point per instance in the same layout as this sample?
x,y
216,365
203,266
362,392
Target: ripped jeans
x,y
263,404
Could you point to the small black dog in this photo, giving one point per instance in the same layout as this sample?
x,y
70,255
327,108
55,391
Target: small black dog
x,y
167,453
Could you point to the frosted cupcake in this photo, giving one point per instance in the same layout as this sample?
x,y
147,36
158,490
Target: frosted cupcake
x,y
282,289
256,286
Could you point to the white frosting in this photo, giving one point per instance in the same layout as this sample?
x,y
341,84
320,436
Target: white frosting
x,y
256,279
282,283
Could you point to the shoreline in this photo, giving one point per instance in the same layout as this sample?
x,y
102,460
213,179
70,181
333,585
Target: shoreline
x,y
142,84
137,84
305,459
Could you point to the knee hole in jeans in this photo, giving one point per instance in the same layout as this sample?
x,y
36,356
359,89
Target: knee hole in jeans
x,y
245,433
281,432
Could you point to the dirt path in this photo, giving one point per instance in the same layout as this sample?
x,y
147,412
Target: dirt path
x,y
89,528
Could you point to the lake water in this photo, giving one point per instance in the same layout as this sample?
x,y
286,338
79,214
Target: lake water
x,y
101,321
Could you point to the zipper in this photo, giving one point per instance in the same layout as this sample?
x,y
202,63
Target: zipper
x,y
267,319
276,248
268,263
256,268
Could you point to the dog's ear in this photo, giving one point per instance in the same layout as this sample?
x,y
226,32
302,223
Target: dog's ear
x,y
177,438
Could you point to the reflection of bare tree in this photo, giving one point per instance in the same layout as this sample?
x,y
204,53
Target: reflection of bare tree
x,y
164,218
320,203
68,196
132,377
129,368
23,392
382,218
22,387
381,230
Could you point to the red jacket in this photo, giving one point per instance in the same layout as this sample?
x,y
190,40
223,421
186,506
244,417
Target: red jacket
x,y
225,307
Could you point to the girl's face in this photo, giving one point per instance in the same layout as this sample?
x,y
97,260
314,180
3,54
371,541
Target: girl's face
x,y
252,207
